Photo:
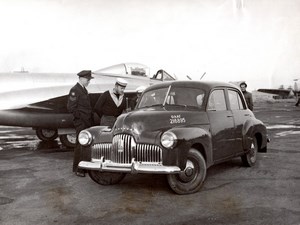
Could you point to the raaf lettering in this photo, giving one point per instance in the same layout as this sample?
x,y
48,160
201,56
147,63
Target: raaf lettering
x,y
177,119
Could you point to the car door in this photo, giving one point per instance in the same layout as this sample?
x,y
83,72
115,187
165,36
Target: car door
x,y
240,115
221,125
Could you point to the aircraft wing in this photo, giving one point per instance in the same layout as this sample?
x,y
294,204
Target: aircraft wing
x,y
281,92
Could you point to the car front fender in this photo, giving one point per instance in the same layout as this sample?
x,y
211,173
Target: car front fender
x,y
100,134
192,137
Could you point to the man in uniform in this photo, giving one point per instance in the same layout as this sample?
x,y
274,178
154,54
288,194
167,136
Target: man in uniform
x,y
80,106
247,95
112,103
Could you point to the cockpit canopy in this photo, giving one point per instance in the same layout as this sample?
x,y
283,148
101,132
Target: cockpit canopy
x,y
135,69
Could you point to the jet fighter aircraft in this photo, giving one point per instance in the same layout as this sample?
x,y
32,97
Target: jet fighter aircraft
x,y
39,100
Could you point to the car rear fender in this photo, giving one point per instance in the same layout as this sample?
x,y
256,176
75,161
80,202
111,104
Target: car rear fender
x,y
254,128
260,133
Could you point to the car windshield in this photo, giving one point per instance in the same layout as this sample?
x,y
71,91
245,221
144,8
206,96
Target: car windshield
x,y
173,96
153,97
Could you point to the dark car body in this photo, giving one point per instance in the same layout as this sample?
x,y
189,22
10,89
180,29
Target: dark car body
x,y
178,128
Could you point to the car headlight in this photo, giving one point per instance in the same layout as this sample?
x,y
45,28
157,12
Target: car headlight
x,y
85,138
168,139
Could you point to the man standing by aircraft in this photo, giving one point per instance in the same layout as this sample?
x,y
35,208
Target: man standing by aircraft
x,y
247,95
111,104
80,106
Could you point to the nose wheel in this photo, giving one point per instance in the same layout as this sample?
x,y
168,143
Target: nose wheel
x,y
46,134
68,140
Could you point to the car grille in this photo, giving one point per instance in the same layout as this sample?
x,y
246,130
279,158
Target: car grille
x,y
99,150
124,148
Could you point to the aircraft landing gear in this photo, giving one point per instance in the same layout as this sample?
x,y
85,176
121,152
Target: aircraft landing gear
x,y
46,134
68,140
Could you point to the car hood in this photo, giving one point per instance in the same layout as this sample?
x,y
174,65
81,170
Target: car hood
x,y
147,124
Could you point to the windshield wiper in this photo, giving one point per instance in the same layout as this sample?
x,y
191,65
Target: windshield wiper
x,y
178,105
185,106
149,106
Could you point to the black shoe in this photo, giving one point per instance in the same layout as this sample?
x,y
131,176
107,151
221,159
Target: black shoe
x,y
80,173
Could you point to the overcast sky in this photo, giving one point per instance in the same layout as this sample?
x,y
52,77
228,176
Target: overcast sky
x,y
252,40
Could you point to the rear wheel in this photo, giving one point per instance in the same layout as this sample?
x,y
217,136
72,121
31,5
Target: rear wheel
x,y
250,157
46,134
189,180
68,140
106,178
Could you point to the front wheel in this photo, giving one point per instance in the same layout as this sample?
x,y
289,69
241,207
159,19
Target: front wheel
x,y
250,157
106,178
189,180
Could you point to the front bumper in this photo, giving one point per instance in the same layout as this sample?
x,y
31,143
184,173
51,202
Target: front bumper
x,y
133,167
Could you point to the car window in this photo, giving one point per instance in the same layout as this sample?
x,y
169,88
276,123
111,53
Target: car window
x,y
177,96
190,97
216,101
242,106
200,99
235,100
153,97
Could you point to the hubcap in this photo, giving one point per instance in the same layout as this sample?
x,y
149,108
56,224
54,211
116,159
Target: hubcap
x,y
188,173
48,133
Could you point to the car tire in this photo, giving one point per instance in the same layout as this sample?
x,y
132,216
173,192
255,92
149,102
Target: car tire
x,y
191,179
68,140
106,178
249,159
46,134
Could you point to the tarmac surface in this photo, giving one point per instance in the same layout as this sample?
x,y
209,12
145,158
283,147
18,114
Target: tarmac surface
x,y
37,185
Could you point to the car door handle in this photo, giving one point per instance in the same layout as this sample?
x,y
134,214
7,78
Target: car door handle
x,y
229,116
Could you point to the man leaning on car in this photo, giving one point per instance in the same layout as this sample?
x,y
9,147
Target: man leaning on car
x,y
112,103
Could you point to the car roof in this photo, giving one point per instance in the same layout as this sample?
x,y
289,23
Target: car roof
x,y
205,85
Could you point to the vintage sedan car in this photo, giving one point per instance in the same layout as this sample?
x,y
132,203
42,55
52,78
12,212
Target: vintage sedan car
x,y
178,128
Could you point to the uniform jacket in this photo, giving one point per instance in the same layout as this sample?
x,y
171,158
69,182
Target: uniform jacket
x,y
79,105
109,105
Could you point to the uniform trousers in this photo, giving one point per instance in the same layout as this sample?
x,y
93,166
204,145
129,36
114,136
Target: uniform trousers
x,y
78,154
